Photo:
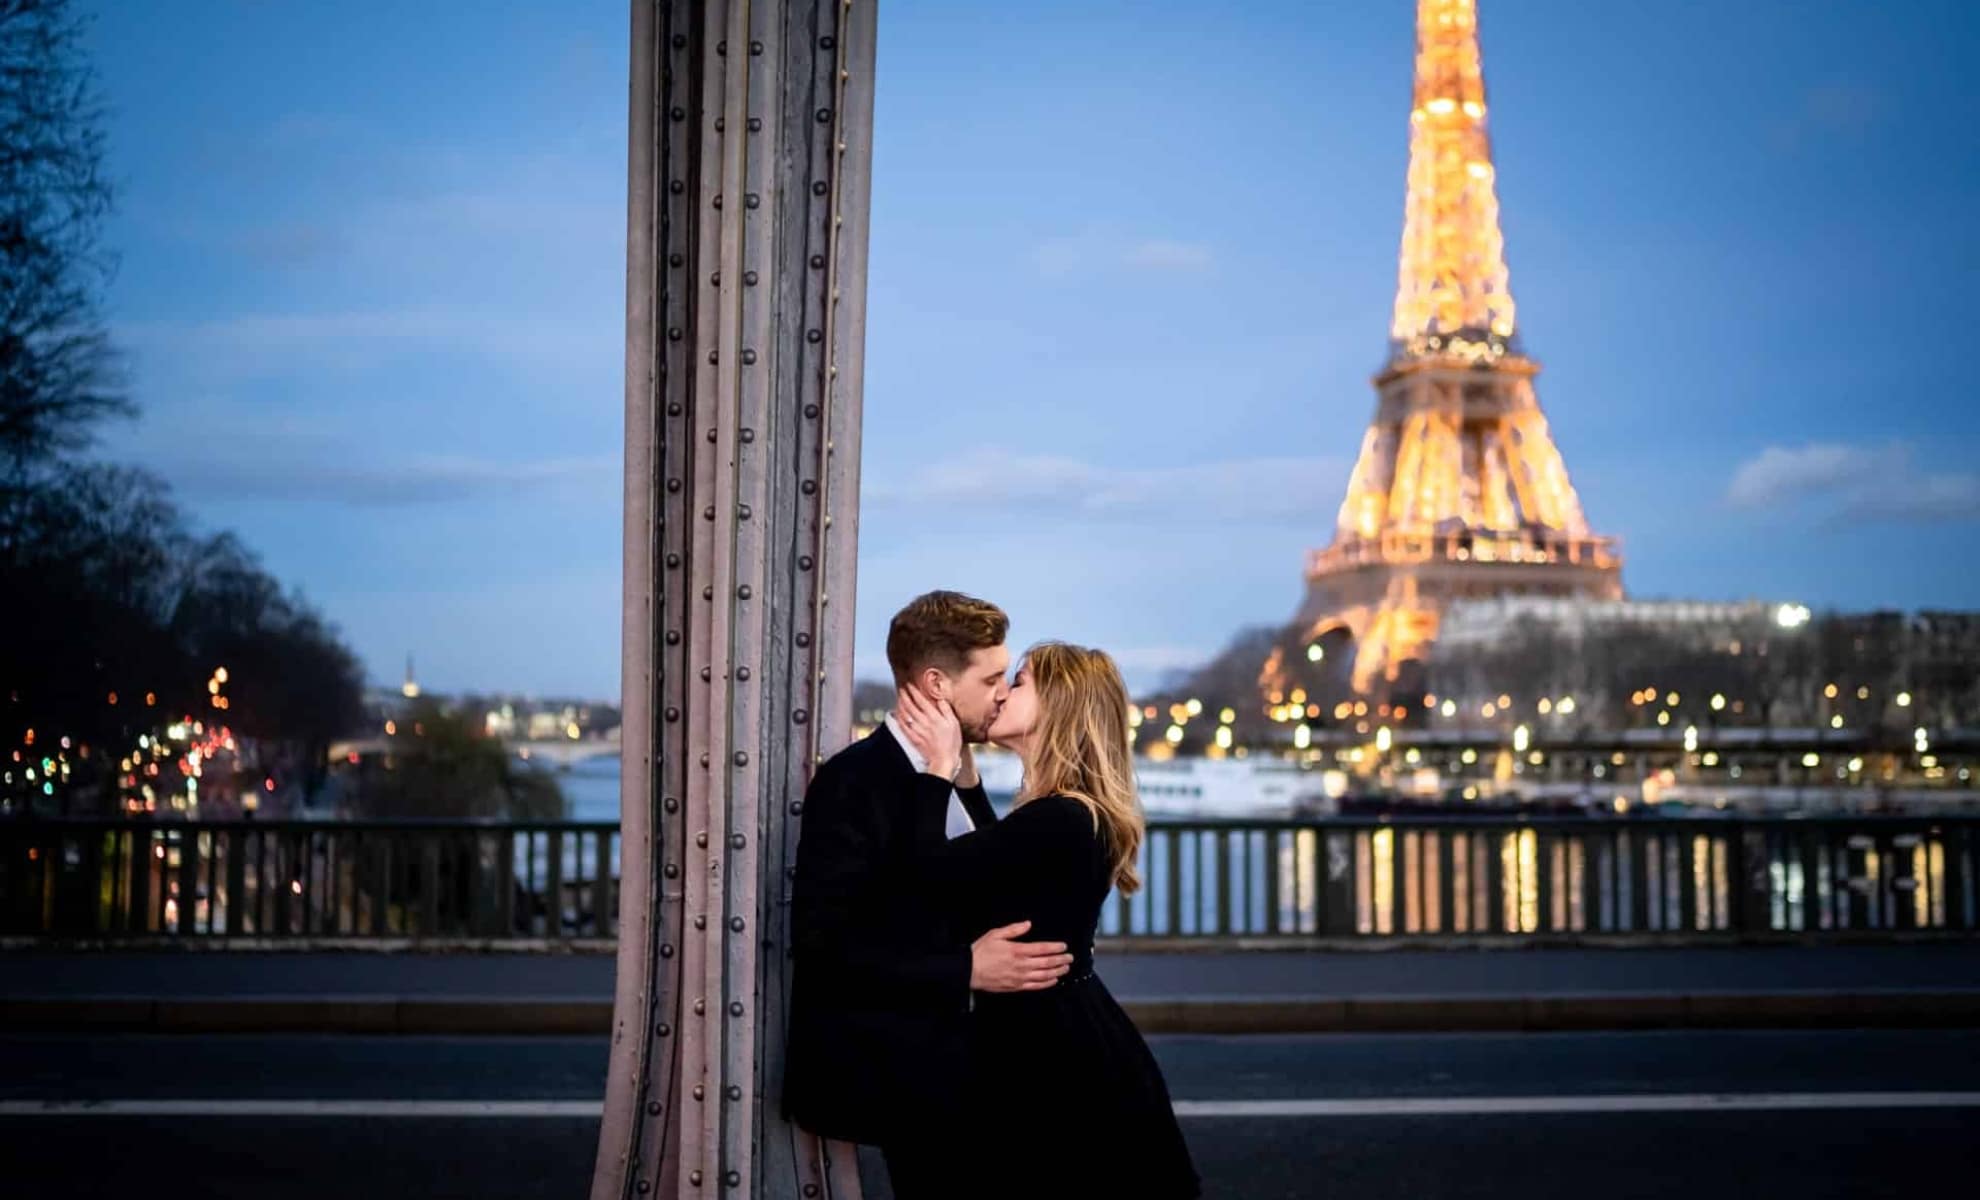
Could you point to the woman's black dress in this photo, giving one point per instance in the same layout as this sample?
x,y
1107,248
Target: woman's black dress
x,y
1062,1071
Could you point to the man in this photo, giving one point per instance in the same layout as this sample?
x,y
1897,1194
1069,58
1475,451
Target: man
x,y
881,986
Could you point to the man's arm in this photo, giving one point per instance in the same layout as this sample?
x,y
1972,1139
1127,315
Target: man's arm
x,y
838,857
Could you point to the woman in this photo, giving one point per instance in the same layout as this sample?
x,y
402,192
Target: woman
x,y
1062,1068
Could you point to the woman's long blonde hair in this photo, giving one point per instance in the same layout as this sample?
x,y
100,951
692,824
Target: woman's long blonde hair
x,y
1080,747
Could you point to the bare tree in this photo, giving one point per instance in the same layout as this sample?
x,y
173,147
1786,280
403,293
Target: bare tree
x,y
59,376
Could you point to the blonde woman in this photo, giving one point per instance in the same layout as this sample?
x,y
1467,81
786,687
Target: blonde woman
x,y
1059,1065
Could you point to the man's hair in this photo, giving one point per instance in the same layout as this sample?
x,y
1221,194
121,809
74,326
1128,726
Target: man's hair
x,y
940,629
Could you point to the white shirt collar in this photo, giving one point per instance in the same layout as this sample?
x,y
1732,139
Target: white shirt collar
x,y
915,758
958,821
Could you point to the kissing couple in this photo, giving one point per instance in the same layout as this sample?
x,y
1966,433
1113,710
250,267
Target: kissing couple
x,y
944,1006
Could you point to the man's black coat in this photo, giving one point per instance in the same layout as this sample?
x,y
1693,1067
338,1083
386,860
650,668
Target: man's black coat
x,y
880,996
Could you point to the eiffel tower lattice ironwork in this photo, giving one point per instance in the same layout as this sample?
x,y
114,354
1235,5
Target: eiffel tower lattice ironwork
x,y
1459,490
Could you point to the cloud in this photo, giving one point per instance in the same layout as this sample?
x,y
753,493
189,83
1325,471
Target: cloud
x,y
513,258
427,480
1145,660
1056,258
1284,490
272,343
289,245
1845,109
1831,111
1095,251
1170,256
1853,483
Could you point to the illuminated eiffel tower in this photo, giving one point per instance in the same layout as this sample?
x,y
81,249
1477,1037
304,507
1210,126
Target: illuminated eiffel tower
x,y
1459,490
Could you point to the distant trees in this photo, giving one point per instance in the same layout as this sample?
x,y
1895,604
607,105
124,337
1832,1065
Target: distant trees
x,y
116,617
1882,671
1867,670
442,766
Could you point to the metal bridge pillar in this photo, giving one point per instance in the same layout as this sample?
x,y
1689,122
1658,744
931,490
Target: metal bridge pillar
x,y
748,185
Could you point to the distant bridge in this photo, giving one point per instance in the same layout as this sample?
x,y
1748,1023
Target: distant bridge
x,y
562,753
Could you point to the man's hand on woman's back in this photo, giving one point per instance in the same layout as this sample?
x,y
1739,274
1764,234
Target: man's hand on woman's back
x,y
998,962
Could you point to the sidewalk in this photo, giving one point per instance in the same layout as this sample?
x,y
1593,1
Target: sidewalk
x,y
1207,992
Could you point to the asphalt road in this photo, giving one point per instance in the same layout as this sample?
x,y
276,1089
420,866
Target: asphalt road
x,y
1701,1115
1409,971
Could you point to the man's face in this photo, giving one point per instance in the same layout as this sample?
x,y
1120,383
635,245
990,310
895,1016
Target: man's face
x,y
980,691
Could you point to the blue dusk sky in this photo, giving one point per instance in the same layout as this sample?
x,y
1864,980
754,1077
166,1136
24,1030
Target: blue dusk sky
x,y
1132,268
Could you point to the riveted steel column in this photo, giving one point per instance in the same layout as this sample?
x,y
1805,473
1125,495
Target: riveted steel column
x,y
750,146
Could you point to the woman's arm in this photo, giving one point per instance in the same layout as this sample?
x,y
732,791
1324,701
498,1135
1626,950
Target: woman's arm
x,y
995,858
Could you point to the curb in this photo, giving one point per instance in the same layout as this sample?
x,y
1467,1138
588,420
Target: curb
x,y
1559,1013
587,1016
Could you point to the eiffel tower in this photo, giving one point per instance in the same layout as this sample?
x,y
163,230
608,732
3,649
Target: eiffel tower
x,y
1459,490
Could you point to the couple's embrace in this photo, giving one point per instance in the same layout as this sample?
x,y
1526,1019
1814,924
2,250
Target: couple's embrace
x,y
943,1002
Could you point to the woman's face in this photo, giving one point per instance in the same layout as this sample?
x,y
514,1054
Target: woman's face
x,y
1020,713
